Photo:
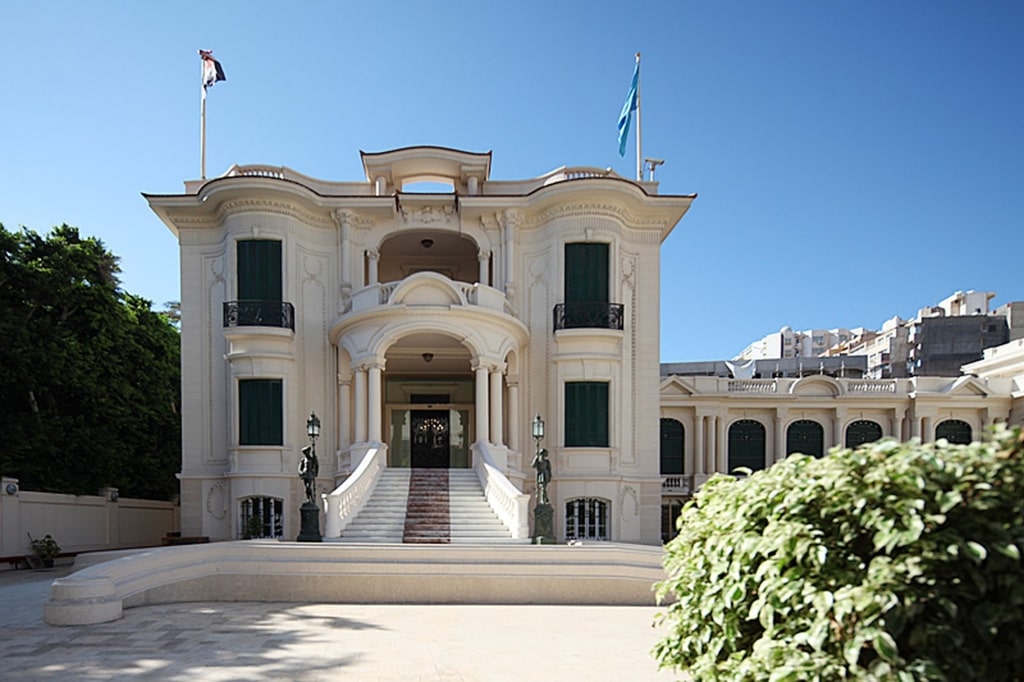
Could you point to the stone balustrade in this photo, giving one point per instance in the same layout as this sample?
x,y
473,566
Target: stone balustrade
x,y
348,499
753,386
509,504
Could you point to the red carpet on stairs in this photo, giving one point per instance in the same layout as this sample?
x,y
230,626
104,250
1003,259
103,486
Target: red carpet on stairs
x,y
426,517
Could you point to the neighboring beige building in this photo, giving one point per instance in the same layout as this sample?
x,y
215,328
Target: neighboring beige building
x,y
713,424
425,330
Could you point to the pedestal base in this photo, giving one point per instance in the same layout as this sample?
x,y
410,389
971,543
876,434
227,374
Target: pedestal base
x,y
543,525
310,529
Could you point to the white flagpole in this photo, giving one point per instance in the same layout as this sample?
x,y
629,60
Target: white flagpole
x,y
202,129
639,154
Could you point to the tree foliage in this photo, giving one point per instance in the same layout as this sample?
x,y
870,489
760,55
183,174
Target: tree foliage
x,y
891,562
90,379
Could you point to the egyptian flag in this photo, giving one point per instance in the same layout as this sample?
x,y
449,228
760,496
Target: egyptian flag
x,y
212,71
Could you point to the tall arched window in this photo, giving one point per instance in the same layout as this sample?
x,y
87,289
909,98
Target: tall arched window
x,y
955,431
806,436
586,518
862,431
746,445
672,442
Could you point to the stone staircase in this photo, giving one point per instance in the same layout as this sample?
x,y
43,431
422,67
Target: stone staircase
x,y
435,506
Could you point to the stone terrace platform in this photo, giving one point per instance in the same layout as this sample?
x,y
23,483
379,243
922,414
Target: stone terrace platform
x,y
263,641
269,571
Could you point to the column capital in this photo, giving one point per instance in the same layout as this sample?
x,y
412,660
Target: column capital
x,y
344,217
511,218
478,363
366,364
483,254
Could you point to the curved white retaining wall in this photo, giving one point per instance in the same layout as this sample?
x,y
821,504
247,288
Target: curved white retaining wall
x,y
264,570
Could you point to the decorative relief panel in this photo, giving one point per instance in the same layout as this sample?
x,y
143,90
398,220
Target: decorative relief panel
x,y
217,501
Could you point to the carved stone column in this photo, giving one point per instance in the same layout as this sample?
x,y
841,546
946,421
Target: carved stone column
x,y
484,257
497,409
360,404
696,465
482,403
512,382
781,414
373,260
375,402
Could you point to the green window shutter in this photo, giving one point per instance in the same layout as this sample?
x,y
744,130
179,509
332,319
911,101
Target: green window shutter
x,y
259,270
862,431
805,436
586,414
586,273
955,431
672,442
260,412
746,445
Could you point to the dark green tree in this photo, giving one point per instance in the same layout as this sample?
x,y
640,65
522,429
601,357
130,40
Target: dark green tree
x,y
89,374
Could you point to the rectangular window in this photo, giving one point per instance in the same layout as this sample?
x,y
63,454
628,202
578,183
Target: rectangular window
x,y
586,273
260,420
586,414
259,270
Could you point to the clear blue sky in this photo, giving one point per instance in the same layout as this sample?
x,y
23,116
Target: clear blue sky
x,y
854,160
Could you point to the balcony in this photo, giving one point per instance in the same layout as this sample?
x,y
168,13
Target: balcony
x,y
280,314
588,315
676,484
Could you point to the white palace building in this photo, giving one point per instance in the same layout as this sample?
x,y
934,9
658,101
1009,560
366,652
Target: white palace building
x,y
428,330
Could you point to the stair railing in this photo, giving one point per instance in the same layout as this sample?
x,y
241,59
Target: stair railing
x,y
348,499
508,502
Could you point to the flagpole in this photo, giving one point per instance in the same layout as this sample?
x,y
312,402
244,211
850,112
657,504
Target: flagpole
x,y
202,133
639,154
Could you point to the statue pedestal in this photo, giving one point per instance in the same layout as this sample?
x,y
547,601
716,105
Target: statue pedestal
x,y
543,525
310,530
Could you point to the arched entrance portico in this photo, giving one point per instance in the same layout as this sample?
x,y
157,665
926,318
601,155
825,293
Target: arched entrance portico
x,y
426,375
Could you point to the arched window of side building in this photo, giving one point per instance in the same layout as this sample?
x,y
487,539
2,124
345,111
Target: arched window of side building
x,y
955,431
672,442
862,431
806,436
746,445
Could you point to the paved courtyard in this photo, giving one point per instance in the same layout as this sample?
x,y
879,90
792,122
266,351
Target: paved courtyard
x,y
277,641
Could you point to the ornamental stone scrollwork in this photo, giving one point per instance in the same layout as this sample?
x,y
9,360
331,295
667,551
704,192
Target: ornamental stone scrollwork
x,y
428,215
270,206
217,501
511,218
628,493
347,218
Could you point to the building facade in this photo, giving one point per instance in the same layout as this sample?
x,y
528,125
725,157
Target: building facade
x,y
716,424
430,327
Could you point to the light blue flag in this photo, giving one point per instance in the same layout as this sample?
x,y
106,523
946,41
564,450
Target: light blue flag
x,y
627,110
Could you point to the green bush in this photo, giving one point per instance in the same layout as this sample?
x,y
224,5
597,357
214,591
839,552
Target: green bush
x,y
890,562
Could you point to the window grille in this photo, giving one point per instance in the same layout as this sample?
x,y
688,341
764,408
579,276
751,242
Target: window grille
x,y
262,517
586,519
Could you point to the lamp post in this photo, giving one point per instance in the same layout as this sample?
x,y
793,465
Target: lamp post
x,y
309,469
543,513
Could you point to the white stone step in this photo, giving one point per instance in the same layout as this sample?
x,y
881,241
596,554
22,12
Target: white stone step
x,y
471,518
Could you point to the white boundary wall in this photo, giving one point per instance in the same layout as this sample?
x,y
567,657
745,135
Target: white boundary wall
x,y
80,523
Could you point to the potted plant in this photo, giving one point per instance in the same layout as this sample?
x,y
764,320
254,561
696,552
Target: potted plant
x,y
45,549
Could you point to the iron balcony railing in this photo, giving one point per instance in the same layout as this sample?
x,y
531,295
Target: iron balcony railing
x,y
259,314
588,315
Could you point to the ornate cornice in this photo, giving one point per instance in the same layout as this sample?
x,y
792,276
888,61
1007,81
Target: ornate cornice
x,y
244,206
589,210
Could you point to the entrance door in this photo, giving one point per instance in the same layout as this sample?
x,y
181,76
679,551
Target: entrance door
x,y
430,439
